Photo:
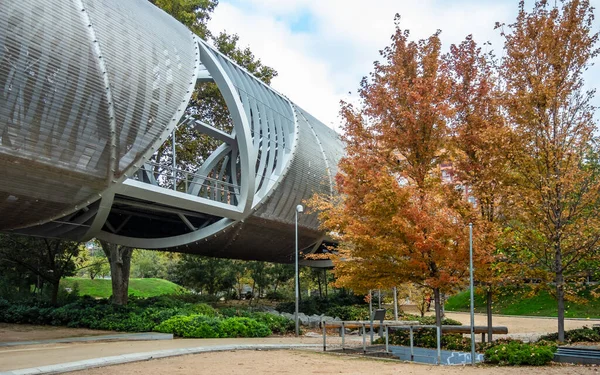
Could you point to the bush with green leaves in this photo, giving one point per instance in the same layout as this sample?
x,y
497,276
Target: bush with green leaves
x,y
516,353
276,323
320,305
584,334
101,314
430,320
202,326
427,338
353,312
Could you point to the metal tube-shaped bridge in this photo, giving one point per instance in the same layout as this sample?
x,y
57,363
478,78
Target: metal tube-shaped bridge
x,y
89,91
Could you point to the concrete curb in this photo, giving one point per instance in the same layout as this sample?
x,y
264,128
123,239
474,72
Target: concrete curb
x,y
137,357
121,337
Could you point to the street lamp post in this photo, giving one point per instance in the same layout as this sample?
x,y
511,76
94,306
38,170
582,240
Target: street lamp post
x,y
299,209
471,289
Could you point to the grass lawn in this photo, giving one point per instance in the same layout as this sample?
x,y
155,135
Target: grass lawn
x,y
518,302
138,287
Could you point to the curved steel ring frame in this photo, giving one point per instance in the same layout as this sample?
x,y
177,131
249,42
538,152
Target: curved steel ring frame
x,y
90,89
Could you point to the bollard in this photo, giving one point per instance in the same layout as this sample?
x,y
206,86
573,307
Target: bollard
x,y
387,341
412,347
343,335
439,342
324,336
364,338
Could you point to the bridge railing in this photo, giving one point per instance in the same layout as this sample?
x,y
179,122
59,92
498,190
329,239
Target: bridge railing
x,y
165,176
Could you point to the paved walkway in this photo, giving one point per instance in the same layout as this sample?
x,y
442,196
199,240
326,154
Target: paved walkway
x,y
115,337
96,353
143,356
39,355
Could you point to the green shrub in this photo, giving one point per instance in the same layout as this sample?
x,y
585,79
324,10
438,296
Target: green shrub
x,y
276,296
202,309
234,311
170,314
584,334
320,305
201,326
516,353
244,327
430,320
354,312
426,338
277,324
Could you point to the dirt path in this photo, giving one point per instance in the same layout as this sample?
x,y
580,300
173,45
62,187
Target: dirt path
x,y
303,363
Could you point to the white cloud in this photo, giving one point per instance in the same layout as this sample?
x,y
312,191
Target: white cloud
x,y
319,64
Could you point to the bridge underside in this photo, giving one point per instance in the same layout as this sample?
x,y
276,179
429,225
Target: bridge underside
x,y
92,89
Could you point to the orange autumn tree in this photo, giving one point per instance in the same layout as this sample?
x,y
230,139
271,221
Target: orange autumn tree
x,y
557,224
394,218
481,153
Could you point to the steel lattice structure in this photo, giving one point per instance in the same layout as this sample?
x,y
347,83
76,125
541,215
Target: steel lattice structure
x,y
90,89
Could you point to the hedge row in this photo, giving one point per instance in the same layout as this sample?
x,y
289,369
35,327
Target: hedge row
x,y
143,315
202,326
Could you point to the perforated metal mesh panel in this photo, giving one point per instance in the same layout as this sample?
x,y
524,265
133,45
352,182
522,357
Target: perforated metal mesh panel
x,y
78,83
150,60
308,174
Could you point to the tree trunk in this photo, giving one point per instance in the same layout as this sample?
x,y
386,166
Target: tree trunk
x,y
54,296
119,258
560,296
319,283
438,307
489,314
325,276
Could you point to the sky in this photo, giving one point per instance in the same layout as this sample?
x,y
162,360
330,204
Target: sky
x,y
322,48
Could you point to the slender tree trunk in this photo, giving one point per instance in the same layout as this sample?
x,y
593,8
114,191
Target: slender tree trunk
x,y
119,258
325,275
560,296
252,296
438,307
319,283
54,296
489,314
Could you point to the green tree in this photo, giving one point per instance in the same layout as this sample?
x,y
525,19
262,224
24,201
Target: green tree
x,y
261,278
281,274
204,274
152,264
192,13
47,260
